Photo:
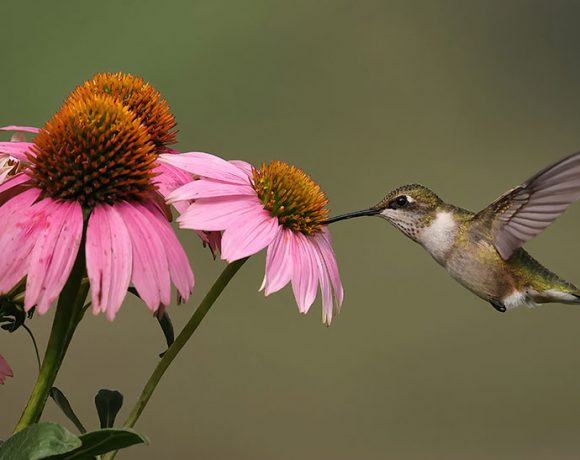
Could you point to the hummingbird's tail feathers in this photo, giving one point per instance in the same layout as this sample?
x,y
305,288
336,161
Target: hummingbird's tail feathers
x,y
554,295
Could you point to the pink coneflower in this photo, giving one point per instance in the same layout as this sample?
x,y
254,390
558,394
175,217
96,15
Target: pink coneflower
x,y
92,180
153,112
276,206
5,370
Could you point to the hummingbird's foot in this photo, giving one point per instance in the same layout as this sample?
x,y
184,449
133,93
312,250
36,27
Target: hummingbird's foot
x,y
498,306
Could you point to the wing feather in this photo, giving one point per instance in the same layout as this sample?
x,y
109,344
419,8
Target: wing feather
x,y
525,211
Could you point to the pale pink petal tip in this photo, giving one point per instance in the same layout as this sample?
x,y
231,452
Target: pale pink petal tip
x,y
5,370
23,129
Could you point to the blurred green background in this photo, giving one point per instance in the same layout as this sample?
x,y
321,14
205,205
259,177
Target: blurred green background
x,y
469,98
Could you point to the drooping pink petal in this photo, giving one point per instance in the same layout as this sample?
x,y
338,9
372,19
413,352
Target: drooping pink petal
x,y
305,276
208,188
24,129
150,270
325,284
17,150
179,268
249,236
109,259
279,264
55,251
324,243
17,238
5,370
206,165
168,179
218,213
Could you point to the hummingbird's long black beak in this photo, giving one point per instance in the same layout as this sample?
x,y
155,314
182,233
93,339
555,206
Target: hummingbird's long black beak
x,y
350,215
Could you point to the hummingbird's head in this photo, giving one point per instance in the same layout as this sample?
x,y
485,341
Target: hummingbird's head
x,y
410,208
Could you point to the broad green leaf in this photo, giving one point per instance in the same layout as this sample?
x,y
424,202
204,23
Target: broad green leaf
x,y
38,441
108,403
103,441
62,402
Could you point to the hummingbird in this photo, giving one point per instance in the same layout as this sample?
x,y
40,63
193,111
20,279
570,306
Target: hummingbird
x,y
483,251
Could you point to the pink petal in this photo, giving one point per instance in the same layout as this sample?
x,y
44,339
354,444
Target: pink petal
x,y
150,271
170,178
18,237
206,165
218,213
13,181
207,188
109,260
244,166
305,276
5,370
24,129
324,243
249,236
179,268
18,150
325,284
55,251
279,264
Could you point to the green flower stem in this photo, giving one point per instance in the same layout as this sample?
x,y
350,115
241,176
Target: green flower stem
x,y
69,312
179,343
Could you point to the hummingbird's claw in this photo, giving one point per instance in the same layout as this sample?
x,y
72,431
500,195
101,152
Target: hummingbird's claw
x,y
498,306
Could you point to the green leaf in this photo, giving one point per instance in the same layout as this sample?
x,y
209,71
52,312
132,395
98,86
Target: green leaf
x,y
38,441
108,403
62,402
103,441
167,328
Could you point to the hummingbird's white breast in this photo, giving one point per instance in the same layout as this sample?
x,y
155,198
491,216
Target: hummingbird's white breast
x,y
438,238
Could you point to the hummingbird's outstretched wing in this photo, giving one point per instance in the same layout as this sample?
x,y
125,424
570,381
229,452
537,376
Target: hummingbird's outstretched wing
x,y
523,212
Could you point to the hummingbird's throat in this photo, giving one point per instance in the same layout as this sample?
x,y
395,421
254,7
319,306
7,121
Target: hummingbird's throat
x,y
292,196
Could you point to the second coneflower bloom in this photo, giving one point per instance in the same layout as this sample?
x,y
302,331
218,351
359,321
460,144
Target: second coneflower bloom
x,y
91,181
276,206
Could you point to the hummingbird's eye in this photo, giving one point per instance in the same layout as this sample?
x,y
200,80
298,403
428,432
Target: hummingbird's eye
x,y
399,202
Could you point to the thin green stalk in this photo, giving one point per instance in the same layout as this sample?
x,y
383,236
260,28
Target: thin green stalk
x,y
67,316
179,343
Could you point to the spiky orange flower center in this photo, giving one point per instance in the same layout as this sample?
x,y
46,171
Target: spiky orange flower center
x,y
93,150
291,196
140,97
